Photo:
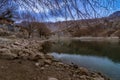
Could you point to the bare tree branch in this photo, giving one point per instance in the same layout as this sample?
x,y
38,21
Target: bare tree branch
x,y
72,8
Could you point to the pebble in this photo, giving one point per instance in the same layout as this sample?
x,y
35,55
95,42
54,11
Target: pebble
x,y
83,77
60,63
51,78
40,56
48,61
98,78
42,68
2,67
46,65
48,56
84,71
16,43
37,64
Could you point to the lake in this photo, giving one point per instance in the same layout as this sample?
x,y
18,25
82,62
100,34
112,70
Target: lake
x,y
102,57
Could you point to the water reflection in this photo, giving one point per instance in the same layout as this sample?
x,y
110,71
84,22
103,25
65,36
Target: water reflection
x,y
95,63
98,56
103,49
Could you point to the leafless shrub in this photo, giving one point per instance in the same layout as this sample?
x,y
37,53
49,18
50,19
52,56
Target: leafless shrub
x,y
40,28
34,29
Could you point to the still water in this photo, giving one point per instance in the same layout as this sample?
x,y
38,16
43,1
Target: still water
x,y
97,56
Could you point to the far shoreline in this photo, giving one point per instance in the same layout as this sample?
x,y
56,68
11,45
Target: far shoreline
x,y
88,38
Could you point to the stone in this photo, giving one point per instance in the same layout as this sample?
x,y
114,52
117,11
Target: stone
x,y
12,36
48,61
46,65
35,58
54,60
83,77
37,64
98,78
6,54
51,78
84,71
42,68
48,56
40,56
2,67
16,43
41,62
4,51
60,63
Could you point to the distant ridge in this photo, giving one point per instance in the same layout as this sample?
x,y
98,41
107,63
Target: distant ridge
x,y
115,14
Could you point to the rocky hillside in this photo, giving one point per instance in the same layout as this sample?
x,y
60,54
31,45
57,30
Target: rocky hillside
x,y
99,27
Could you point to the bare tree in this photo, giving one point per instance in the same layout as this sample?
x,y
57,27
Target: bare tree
x,y
65,8
7,9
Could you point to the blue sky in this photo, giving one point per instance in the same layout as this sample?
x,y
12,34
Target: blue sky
x,y
58,14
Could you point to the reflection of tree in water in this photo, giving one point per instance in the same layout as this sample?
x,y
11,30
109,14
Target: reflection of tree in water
x,y
46,46
102,49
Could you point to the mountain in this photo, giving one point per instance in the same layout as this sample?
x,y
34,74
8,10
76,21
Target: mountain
x,y
115,14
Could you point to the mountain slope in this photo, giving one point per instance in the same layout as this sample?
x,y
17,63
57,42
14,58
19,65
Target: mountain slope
x,y
115,14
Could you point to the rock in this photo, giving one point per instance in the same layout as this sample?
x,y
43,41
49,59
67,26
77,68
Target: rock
x,y
35,58
37,64
84,71
16,43
40,56
54,60
6,54
83,77
1,29
3,46
14,46
42,68
60,63
98,78
99,73
2,67
48,61
51,78
75,66
12,36
41,63
48,56
46,65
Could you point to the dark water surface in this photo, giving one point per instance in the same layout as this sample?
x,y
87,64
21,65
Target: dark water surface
x,y
97,56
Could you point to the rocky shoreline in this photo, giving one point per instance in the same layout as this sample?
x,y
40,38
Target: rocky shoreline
x,y
22,59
